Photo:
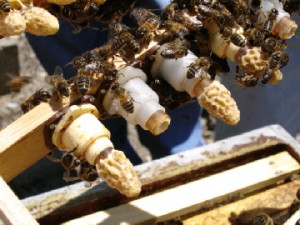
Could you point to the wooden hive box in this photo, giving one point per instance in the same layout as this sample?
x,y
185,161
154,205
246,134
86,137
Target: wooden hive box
x,y
221,183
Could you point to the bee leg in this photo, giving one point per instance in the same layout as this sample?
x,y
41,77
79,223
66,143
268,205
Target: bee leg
x,y
52,158
68,177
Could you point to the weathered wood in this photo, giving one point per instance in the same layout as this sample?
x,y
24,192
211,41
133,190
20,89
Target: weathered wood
x,y
12,211
189,197
22,142
76,200
271,201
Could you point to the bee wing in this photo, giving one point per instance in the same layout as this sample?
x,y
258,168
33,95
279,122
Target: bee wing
x,y
200,72
58,71
115,105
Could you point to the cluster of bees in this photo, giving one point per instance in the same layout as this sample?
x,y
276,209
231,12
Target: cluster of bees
x,y
75,169
184,20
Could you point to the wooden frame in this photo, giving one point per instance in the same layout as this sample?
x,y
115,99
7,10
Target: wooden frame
x,y
173,172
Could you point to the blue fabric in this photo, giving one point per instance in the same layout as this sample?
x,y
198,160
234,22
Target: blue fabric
x,y
267,104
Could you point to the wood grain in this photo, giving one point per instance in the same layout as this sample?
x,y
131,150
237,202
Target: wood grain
x,y
191,196
22,142
12,211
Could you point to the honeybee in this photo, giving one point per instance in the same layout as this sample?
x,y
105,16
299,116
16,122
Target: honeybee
x,y
101,53
191,22
106,68
125,38
199,68
278,59
141,15
226,33
255,36
174,52
263,219
164,91
148,22
58,82
207,14
88,173
169,11
38,97
268,24
238,40
79,62
248,80
144,31
267,75
124,98
269,45
83,83
69,161
16,83
5,6
174,28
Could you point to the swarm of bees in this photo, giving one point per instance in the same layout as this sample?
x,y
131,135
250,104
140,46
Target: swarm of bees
x,y
184,20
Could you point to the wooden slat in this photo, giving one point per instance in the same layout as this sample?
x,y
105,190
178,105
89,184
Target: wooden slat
x,y
272,201
189,197
22,142
12,211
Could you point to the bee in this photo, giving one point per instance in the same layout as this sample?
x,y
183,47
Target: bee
x,y
226,33
269,45
278,59
248,80
69,161
191,22
263,219
79,62
169,11
174,28
5,6
174,52
124,98
255,36
142,15
199,68
206,13
17,82
100,53
59,84
83,83
124,39
267,76
106,68
88,173
144,31
164,91
238,40
268,24
38,97
148,22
